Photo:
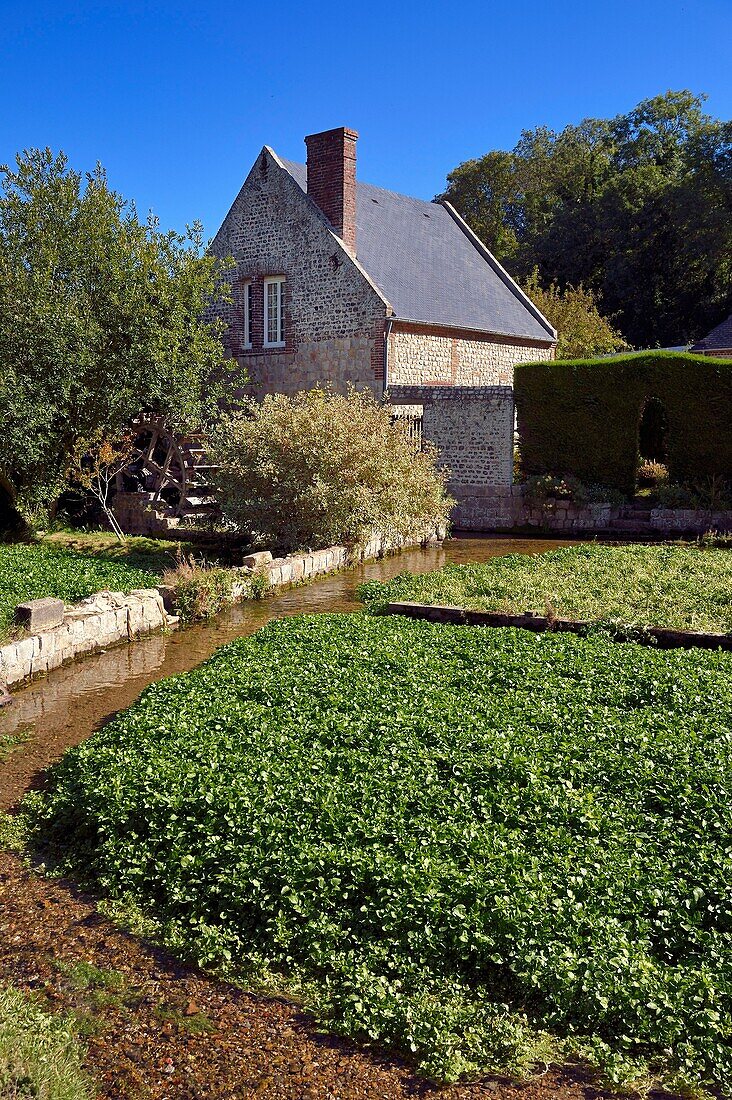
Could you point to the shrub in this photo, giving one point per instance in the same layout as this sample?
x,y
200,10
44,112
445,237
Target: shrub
x,y
711,494
320,468
452,839
545,488
582,331
651,473
583,416
200,591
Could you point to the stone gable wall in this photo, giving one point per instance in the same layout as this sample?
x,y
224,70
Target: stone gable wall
x,y
334,317
421,355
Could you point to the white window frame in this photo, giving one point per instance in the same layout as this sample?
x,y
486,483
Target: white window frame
x,y
248,295
278,281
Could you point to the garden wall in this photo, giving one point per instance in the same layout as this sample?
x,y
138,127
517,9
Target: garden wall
x,y
471,427
485,508
93,624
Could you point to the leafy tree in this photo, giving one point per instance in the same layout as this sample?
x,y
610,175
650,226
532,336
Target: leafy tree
x,y
321,468
582,330
637,209
101,317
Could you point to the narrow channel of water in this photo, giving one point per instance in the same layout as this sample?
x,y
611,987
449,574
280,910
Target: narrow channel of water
x,y
66,706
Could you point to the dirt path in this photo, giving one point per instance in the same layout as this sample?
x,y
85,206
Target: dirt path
x,y
162,1031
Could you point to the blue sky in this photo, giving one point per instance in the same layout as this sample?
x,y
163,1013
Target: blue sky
x,y
177,98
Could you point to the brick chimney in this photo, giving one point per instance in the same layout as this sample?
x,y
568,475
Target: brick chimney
x,y
332,179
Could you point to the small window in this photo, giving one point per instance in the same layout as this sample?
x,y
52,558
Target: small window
x,y
248,297
274,321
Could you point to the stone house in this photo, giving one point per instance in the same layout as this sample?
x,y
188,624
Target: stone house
x,y
718,342
342,282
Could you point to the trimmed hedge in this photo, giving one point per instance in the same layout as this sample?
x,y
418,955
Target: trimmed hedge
x,y
582,417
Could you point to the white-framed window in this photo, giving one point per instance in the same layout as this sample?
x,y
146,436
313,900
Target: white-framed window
x,y
248,299
274,312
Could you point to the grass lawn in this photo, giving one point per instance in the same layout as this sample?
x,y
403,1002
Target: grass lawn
x,y
39,1053
684,587
154,555
31,570
482,848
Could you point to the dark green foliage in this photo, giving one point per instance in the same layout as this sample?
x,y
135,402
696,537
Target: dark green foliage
x,y
637,208
29,571
582,417
102,316
452,837
682,587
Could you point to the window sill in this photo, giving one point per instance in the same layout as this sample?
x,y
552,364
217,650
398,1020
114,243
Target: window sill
x,y
271,347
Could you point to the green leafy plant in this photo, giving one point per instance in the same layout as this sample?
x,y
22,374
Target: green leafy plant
x,y
33,570
469,845
321,468
685,587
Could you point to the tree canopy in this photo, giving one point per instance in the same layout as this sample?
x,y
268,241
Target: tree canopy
x,y
102,316
582,331
637,209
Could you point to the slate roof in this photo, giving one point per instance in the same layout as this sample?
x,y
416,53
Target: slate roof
x,y
431,269
719,338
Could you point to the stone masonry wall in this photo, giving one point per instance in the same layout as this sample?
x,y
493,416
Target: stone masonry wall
x,y
503,508
420,355
471,426
100,621
333,315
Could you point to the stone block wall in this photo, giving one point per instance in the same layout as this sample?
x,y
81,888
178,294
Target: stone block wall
x,y
501,508
98,622
425,355
471,426
504,508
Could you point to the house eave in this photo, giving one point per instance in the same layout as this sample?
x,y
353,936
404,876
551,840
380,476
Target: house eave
x,y
466,331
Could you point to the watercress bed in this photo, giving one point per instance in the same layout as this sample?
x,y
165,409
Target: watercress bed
x,y
685,587
482,847
29,571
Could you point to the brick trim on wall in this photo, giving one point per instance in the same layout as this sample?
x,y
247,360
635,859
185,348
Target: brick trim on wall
x,y
423,328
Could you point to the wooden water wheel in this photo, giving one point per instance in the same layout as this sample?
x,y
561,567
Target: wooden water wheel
x,y
172,473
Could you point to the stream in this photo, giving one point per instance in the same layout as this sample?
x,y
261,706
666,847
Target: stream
x,y
63,708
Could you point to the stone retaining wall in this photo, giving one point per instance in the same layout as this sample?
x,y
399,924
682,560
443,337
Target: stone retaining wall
x,y
95,623
488,508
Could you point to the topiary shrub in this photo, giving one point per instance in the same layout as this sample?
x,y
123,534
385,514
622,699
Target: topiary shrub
x,y
320,468
582,417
